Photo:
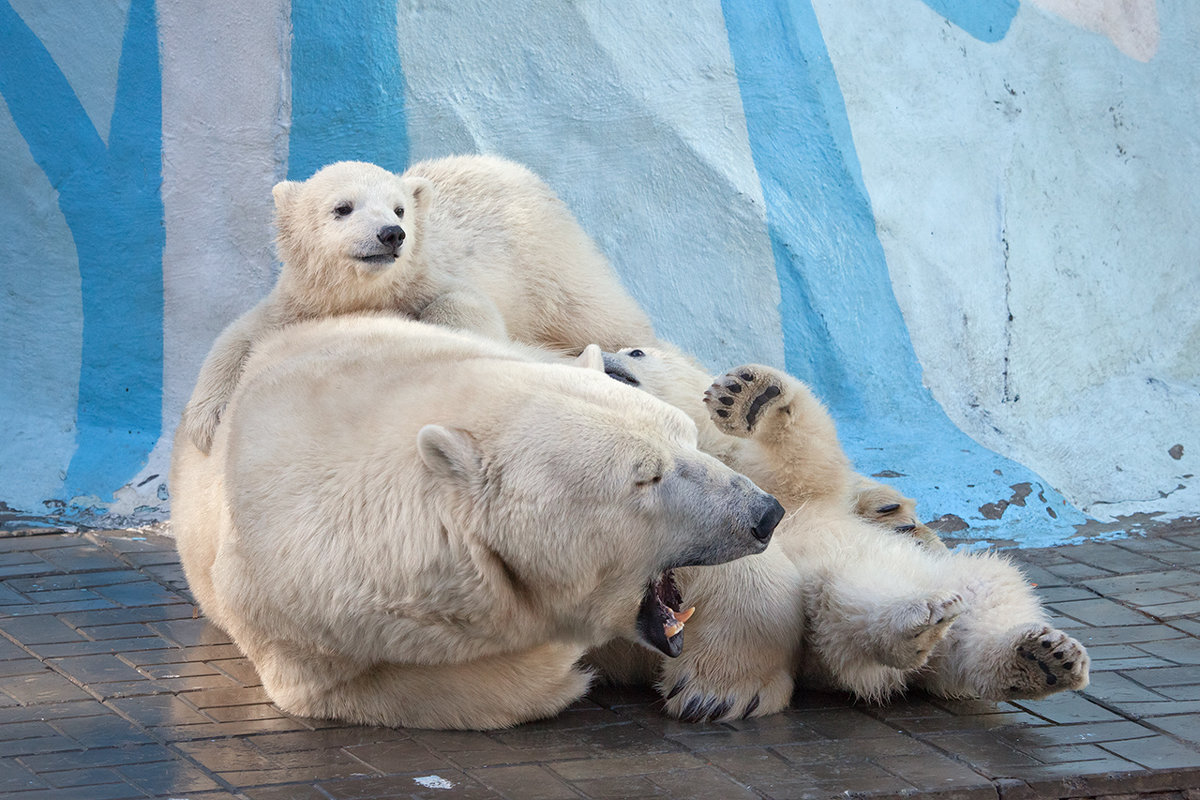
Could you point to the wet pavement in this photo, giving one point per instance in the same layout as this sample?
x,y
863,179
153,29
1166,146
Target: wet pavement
x,y
110,687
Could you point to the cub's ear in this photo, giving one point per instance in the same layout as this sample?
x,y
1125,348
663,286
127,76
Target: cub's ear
x,y
591,358
282,191
422,192
450,454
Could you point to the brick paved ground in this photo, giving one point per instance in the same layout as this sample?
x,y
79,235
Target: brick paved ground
x,y
110,688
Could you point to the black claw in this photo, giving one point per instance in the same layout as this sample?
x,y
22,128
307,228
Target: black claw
x,y
720,710
693,710
751,707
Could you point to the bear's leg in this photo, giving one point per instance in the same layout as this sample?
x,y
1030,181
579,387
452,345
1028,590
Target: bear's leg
x,y
874,615
491,692
466,310
221,371
741,647
792,431
1002,648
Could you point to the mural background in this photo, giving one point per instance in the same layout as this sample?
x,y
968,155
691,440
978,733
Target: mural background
x,y
965,223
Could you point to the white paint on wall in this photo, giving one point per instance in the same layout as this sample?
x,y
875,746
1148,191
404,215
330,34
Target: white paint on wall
x,y
1132,25
1049,179
633,114
225,115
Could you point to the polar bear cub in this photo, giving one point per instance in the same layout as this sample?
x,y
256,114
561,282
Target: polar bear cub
x,y
402,524
470,242
873,612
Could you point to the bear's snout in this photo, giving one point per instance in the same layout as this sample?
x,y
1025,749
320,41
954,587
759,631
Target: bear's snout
x,y
391,236
770,518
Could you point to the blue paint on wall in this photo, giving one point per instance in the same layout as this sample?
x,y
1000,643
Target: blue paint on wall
x,y
986,20
347,86
110,197
843,330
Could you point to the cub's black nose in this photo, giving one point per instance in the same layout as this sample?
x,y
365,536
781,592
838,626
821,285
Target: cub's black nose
x,y
766,526
391,235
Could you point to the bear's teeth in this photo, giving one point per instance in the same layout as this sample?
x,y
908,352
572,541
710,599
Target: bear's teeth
x,y
672,628
683,616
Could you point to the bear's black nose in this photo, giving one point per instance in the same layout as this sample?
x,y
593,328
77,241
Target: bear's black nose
x,y
766,526
391,235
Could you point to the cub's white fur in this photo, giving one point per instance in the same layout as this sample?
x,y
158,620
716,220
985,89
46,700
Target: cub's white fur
x,y
838,600
470,242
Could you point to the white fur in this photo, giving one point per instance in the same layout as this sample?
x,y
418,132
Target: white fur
x,y
487,247
873,612
402,524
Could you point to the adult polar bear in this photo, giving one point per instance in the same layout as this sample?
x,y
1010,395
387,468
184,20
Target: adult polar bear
x,y
471,242
401,524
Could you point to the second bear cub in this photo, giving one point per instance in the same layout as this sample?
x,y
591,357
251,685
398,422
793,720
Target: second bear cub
x,y
470,242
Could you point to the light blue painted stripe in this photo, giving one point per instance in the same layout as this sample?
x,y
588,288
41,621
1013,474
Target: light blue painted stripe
x,y
111,201
986,20
347,86
843,330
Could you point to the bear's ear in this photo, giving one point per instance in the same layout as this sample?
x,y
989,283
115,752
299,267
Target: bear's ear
x,y
422,193
282,191
591,358
450,454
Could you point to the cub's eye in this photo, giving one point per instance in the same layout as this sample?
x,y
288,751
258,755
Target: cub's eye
x,y
654,481
344,209
636,354
399,212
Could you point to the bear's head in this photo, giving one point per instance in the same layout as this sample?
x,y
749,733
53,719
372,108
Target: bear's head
x,y
347,234
665,372
589,496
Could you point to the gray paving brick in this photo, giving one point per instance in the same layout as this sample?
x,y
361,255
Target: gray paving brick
x,y
1158,753
1100,612
526,782
167,677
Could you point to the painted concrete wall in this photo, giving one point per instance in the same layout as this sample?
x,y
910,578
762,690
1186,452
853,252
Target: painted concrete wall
x,y
965,222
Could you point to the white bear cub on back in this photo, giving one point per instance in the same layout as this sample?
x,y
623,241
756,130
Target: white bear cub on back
x,y
468,242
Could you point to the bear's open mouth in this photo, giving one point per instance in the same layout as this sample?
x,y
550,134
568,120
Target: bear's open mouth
x,y
659,620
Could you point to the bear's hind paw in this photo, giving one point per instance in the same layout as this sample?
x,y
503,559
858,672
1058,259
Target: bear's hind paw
x,y
1044,661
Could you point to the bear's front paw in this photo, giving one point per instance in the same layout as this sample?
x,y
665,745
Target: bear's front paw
x,y
1044,661
700,692
920,627
741,399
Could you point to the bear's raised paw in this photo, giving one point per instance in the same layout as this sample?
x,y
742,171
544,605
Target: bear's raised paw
x,y
741,399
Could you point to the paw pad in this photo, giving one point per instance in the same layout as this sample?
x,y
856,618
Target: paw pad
x,y
741,398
